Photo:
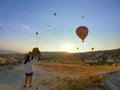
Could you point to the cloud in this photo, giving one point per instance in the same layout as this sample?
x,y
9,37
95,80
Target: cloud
x,y
25,27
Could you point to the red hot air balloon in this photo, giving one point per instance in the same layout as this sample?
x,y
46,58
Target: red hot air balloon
x,y
82,32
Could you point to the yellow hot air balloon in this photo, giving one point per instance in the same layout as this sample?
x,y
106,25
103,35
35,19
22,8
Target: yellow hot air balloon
x,y
82,32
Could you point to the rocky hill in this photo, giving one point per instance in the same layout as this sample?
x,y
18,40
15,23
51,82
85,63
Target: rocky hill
x,y
8,52
15,57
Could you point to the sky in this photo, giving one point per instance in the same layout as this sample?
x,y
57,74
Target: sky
x,y
21,19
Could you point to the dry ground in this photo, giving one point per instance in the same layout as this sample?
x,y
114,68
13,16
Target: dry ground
x,y
53,76
78,68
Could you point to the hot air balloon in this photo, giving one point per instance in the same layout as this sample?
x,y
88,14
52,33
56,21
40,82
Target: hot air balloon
x,y
82,17
77,48
82,32
36,33
54,14
92,48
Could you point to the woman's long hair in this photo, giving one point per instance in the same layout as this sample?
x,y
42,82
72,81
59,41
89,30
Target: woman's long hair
x,y
27,59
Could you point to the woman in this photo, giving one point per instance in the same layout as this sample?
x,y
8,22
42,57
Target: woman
x,y
29,69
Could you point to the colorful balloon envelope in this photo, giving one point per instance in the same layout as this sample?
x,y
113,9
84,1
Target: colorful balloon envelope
x,y
82,32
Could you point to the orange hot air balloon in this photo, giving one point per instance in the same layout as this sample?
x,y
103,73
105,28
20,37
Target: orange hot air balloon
x,y
82,32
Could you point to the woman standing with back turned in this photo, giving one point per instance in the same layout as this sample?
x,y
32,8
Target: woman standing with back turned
x,y
29,60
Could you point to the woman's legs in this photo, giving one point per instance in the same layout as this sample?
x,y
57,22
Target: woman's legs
x,y
30,81
28,76
26,80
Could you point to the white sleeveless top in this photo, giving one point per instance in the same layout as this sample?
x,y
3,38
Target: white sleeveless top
x,y
29,66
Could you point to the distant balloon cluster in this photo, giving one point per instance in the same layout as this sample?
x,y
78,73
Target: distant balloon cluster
x,y
81,31
48,25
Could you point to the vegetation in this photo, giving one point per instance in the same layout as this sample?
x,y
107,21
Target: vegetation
x,y
113,55
88,75
77,76
11,59
64,57
82,83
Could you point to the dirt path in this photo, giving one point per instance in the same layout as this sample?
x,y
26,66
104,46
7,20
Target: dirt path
x,y
13,79
46,77
113,80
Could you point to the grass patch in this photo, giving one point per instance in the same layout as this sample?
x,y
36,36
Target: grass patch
x,y
82,83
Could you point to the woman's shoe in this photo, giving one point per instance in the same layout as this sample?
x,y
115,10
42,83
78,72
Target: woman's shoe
x,y
30,86
24,86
